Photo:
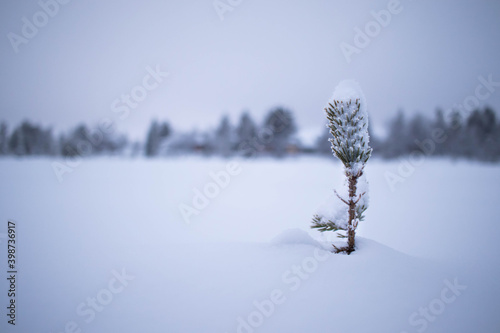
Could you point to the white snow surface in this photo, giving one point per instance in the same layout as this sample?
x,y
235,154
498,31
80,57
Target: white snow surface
x,y
350,90
295,236
428,245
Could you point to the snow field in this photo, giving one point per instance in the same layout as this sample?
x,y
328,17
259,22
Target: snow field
x,y
248,262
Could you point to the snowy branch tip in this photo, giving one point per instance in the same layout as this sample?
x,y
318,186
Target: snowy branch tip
x,y
350,90
348,122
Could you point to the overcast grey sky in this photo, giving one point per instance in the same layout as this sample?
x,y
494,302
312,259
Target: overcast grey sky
x,y
264,53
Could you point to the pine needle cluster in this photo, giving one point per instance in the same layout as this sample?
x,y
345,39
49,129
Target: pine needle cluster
x,y
348,127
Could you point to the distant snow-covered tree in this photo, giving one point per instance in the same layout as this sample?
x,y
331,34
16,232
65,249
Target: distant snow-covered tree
x,y
455,135
396,142
76,143
224,138
278,129
156,135
418,130
4,139
439,128
480,135
247,129
31,139
348,124
85,141
16,142
246,135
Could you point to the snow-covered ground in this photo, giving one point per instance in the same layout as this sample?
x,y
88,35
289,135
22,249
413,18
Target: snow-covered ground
x,y
109,250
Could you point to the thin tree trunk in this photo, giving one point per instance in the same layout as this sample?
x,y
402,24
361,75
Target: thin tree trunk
x,y
351,229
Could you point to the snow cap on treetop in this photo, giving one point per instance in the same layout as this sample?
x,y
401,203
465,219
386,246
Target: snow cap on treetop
x,y
350,90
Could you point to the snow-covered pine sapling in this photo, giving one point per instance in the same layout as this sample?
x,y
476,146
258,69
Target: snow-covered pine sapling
x,y
348,123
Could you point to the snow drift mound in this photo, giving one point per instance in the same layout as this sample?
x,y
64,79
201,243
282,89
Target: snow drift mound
x,y
295,236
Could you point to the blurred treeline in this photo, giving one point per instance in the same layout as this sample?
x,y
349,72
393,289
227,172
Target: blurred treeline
x,y
469,135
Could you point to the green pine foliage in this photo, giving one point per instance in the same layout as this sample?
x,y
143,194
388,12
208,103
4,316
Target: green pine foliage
x,y
346,125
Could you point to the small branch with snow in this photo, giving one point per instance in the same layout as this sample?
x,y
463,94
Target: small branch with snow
x,y
344,201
